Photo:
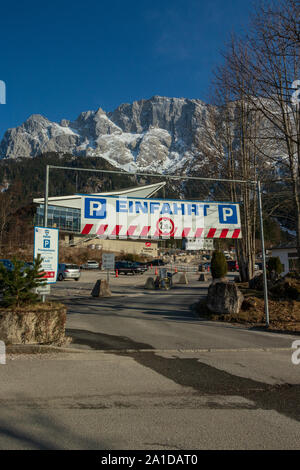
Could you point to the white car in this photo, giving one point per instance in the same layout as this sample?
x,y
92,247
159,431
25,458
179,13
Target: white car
x,y
90,264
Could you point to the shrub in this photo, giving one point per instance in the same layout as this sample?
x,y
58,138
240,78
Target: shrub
x,y
274,264
218,265
17,285
294,275
292,292
286,288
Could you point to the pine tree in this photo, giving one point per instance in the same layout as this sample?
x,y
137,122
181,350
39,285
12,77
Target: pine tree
x,y
274,264
18,285
218,265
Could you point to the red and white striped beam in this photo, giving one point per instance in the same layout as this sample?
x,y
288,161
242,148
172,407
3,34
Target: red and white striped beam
x,y
133,231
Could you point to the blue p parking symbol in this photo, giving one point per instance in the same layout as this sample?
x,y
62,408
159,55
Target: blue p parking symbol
x,y
46,243
227,214
94,208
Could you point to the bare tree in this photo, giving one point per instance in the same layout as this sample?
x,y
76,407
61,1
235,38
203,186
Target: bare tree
x,y
267,65
232,132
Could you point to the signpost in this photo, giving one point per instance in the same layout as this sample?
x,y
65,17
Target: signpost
x,y
46,245
122,217
43,290
108,262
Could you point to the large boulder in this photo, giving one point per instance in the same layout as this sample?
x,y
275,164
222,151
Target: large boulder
x,y
149,284
257,283
183,279
204,277
101,289
224,297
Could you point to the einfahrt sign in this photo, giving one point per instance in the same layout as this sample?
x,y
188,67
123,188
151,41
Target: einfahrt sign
x,y
112,217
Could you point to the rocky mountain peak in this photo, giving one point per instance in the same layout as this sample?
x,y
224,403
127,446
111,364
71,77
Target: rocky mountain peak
x,y
157,134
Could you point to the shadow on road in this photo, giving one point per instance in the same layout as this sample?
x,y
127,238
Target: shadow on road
x,y
208,380
33,425
101,341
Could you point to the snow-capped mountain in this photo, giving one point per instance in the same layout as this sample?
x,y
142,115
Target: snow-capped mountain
x,y
160,134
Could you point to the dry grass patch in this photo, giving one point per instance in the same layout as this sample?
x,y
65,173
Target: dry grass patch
x,y
284,314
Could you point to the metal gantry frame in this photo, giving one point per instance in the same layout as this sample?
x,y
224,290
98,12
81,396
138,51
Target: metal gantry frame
x,y
256,184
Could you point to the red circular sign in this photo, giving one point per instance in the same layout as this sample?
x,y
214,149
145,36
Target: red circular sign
x,y
148,244
165,227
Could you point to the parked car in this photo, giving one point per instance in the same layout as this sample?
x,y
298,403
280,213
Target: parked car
x,y
7,264
90,264
68,271
29,264
26,265
127,267
143,266
232,266
156,262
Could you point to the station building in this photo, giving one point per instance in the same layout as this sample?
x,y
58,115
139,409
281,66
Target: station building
x,y
64,212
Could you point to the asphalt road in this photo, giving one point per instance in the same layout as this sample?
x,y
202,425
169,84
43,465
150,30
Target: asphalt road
x,y
157,320
146,373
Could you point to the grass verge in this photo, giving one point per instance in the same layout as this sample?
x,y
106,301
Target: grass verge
x,y
284,314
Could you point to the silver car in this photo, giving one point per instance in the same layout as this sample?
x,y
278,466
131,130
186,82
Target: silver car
x,y
91,264
68,271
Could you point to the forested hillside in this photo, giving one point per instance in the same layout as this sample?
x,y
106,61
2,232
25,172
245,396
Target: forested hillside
x,y
23,179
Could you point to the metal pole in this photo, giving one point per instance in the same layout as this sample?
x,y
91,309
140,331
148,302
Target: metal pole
x,y
263,254
158,175
46,197
46,209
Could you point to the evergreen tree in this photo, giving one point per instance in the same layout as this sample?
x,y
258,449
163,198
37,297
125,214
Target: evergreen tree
x,y
274,264
18,285
219,266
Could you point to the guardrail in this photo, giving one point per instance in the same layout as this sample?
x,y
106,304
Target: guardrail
x,y
183,268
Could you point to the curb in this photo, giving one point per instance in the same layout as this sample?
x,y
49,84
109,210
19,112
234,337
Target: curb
x,y
38,349
44,349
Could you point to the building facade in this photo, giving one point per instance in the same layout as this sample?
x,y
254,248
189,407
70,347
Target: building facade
x,y
64,212
287,253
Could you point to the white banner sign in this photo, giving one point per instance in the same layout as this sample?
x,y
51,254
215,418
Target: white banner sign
x,y
108,261
112,217
43,290
46,244
199,244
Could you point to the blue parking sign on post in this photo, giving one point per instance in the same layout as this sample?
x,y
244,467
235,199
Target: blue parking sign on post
x,y
46,245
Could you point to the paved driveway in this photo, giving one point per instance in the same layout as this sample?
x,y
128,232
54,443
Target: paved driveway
x,y
146,373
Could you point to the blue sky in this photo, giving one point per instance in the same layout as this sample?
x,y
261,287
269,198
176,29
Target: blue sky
x,y
63,57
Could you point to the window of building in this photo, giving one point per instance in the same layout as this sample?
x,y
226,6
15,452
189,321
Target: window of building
x,y
293,264
64,218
